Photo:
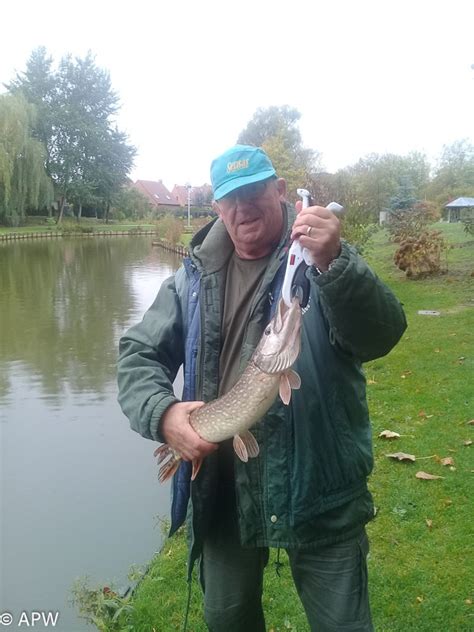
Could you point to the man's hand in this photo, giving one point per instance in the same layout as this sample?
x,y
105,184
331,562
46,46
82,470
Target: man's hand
x,y
319,231
180,435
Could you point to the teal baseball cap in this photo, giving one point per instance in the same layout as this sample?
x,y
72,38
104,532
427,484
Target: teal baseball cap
x,y
238,166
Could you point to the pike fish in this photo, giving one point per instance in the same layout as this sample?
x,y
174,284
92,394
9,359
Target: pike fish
x,y
267,374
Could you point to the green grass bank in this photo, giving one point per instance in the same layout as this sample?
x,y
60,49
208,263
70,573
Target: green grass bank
x,y
74,227
421,571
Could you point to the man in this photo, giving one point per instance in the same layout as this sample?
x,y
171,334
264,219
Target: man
x,y
307,489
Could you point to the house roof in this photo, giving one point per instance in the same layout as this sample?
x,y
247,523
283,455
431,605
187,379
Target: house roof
x,y
156,192
461,202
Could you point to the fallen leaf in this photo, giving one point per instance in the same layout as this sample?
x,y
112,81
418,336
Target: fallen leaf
x,y
468,602
447,460
427,477
448,502
470,422
371,381
429,523
422,413
401,456
389,434
467,442
419,599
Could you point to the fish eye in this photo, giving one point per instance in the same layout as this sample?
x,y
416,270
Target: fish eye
x,y
268,331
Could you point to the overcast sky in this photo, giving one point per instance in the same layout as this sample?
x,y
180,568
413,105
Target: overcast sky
x,y
367,76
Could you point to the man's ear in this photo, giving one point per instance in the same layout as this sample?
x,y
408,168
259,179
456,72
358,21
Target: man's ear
x,y
216,208
281,188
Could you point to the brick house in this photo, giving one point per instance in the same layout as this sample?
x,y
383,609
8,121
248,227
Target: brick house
x,y
156,193
200,196
180,194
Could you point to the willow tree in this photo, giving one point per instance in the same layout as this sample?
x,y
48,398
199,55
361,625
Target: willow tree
x,y
87,158
23,180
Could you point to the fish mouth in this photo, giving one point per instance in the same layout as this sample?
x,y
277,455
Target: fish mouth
x,y
280,344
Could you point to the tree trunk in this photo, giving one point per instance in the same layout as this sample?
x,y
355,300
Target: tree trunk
x,y
61,209
79,211
107,209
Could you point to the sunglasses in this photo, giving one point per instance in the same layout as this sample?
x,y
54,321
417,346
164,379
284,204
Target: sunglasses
x,y
247,192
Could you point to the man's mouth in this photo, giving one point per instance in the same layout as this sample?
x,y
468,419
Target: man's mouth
x,y
249,221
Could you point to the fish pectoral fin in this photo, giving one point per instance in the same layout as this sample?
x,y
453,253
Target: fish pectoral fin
x,y
196,467
285,389
288,380
246,446
294,379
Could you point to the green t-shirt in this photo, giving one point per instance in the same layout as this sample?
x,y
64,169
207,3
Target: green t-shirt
x,y
243,280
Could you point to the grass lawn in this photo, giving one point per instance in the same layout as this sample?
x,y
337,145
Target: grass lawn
x,y
421,569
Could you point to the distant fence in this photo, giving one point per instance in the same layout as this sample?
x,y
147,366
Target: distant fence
x,y
177,248
48,235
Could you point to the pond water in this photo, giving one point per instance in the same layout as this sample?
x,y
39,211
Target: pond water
x,y
79,494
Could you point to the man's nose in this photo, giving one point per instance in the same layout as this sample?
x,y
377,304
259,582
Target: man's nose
x,y
242,199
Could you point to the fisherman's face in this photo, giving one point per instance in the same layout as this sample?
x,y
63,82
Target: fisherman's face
x,y
253,217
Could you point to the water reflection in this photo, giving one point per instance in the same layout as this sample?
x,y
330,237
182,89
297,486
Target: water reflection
x,y
64,303
79,488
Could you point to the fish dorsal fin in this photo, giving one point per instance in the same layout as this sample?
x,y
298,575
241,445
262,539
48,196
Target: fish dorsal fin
x,y
288,380
246,446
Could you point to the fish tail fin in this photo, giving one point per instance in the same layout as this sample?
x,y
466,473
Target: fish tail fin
x,y
167,470
170,460
288,380
162,452
246,446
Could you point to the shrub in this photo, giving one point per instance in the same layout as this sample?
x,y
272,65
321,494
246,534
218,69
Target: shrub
x,y
102,607
358,234
170,229
420,256
412,221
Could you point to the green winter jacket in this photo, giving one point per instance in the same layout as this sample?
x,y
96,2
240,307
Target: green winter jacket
x,y
309,483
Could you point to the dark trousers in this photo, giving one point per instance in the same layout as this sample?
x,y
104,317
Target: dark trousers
x,y
331,582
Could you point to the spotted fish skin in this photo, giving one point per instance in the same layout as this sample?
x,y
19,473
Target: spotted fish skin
x,y
239,409
267,374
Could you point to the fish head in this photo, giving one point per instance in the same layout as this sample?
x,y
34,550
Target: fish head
x,y
279,345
